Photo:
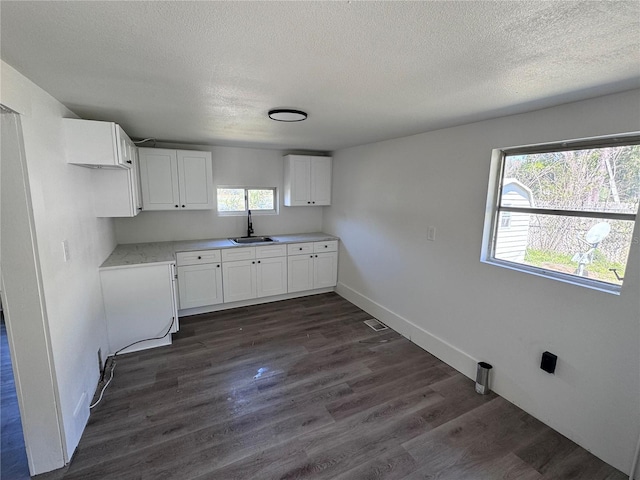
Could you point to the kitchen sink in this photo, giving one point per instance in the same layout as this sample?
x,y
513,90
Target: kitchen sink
x,y
244,240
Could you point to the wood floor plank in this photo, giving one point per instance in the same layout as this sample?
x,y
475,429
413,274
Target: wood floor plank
x,y
302,389
394,464
507,467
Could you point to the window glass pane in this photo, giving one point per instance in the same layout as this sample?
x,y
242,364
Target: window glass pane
x,y
261,199
595,179
231,200
585,247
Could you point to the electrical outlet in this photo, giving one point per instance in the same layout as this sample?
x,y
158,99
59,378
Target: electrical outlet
x,y
100,363
65,250
431,233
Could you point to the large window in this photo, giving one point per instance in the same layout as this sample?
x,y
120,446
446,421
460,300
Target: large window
x,y
237,200
565,211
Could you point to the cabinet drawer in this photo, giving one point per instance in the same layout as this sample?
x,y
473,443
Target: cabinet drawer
x,y
299,248
270,251
197,257
245,253
329,246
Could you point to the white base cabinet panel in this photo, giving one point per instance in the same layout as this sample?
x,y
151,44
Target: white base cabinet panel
x,y
300,273
271,276
140,303
239,280
325,270
200,285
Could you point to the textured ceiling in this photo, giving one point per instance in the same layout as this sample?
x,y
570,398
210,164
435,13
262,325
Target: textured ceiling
x,y
208,72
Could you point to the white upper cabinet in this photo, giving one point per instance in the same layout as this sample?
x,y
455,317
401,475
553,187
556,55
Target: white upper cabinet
x,y
96,144
176,179
307,180
159,178
115,184
320,180
116,192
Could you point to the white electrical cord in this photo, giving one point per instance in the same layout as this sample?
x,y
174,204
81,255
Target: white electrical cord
x,y
113,367
145,140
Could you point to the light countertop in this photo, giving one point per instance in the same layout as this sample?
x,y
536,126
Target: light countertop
x,y
164,252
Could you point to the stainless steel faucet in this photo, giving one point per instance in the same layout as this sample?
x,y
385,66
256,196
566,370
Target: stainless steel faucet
x,y
249,224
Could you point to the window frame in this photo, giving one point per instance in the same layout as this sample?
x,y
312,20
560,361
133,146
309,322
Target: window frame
x,y
494,208
241,213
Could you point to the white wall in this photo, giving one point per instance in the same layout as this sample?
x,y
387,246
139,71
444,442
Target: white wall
x,y
21,286
62,210
439,294
232,166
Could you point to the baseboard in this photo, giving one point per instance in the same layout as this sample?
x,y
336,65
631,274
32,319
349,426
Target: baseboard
x,y
254,301
436,346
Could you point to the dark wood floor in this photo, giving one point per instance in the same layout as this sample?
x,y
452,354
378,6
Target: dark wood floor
x,y
13,456
302,389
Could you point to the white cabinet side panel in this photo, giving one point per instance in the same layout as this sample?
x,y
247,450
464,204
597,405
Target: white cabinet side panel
x,y
138,305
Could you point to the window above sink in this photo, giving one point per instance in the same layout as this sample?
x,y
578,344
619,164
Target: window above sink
x,y
236,201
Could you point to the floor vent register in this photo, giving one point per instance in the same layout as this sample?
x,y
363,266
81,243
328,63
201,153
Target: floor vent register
x,y
375,325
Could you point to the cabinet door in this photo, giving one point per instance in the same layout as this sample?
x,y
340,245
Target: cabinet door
x,y
297,181
134,178
300,273
325,270
239,280
139,304
200,285
321,180
113,193
195,175
271,276
122,141
159,178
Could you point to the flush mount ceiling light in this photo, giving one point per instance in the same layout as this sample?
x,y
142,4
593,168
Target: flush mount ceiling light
x,y
287,115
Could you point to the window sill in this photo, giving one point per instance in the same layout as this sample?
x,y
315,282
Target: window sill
x,y
561,277
254,213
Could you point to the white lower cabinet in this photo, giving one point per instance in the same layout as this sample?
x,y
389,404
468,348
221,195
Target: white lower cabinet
x,y
312,265
239,280
200,285
271,276
199,278
263,273
140,304
211,277
300,273
325,270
